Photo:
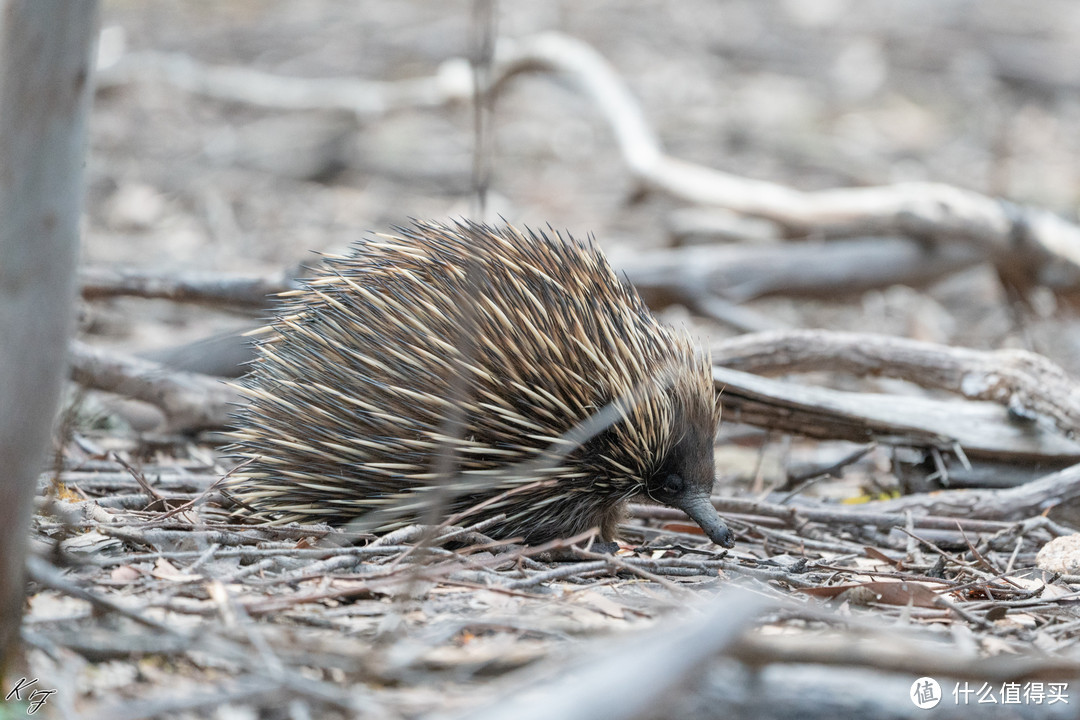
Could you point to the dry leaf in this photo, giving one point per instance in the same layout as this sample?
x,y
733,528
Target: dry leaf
x,y
165,570
876,554
601,604
124,574
889,592
91,543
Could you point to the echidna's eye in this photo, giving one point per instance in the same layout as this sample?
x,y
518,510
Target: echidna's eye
x,y
673,485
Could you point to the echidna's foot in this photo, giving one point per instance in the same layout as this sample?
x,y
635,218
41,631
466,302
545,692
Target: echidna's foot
x,y
608,547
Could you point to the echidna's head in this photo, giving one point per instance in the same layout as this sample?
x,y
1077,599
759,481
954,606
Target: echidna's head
x,y
664,445
684,476
685,480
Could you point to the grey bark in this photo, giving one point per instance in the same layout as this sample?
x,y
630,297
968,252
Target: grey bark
x,y
45,56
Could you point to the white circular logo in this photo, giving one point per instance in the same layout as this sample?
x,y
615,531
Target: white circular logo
x,y
925,693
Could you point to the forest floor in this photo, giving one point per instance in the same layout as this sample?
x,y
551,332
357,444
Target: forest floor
x,y
164,607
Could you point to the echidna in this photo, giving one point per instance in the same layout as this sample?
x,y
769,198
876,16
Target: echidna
x,y
472,365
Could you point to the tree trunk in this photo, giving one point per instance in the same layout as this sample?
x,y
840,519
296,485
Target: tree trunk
x,y
45,65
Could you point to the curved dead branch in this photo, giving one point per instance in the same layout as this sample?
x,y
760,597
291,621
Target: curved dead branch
x,y
1025,243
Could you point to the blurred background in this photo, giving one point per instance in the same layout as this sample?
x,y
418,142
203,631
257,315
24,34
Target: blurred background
x,y
811,93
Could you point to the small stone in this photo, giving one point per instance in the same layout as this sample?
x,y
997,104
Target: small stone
x,y
1061,555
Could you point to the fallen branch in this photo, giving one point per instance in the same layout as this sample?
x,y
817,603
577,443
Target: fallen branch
x,y
1016,503
979,429
618,679
189,401
45,575
363,98
897,655
1025,243
1029,385
808,511
1044,245
224,355
741,272
98,283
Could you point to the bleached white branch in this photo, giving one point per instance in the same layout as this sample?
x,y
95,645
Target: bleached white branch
x,y
1042,246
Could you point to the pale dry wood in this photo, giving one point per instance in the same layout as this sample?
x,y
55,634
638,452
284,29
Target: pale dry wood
x,y
224,355
695,226
978,428
1016,503
741,273
209,288
1024,243
44,100
189,401
1029,385
895,653
253,688
619,679
1046,246
806,510
363,98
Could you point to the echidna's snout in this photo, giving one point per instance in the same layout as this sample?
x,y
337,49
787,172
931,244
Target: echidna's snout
x,y
671,488
685,481
701,510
